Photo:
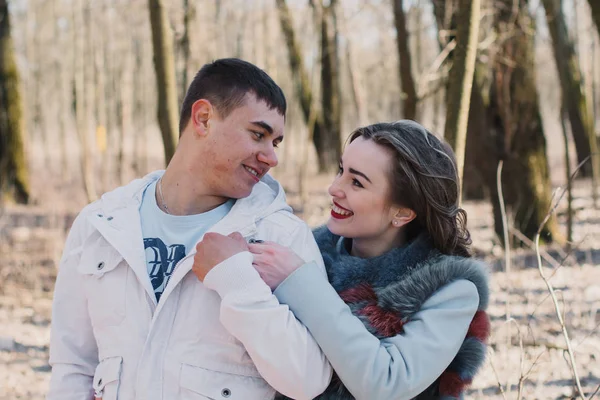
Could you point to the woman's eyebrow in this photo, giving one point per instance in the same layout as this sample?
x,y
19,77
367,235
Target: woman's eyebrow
x,y
355,172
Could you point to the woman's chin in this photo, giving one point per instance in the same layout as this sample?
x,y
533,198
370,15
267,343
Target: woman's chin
x,y
334,227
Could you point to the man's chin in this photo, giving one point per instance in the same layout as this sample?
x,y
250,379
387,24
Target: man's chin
x,y
240,194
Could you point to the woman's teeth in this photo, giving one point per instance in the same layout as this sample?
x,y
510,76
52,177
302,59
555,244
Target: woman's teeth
x,y
338,210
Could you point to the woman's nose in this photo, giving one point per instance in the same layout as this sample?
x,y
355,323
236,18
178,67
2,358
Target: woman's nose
x,y
335,189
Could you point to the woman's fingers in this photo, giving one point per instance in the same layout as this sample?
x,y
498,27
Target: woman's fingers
x,y
259,259
255,248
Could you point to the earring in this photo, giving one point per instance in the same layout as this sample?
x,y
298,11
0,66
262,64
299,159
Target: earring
x,y
395,223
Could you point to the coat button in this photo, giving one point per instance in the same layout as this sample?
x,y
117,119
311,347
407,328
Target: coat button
x,y
100,265
226,392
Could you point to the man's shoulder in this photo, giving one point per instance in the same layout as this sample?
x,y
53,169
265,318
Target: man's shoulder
x,y
284,222
116,197
285,219
120,195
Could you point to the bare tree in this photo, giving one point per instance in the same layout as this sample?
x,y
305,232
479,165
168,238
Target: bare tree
x,y
505,122
303,88
81,103
358,97
189,14
575,99
328,140
14,180
461,79
164,66
409,91
515,114
595,6
61,75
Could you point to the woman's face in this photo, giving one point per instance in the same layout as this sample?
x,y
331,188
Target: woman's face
x,y
361,207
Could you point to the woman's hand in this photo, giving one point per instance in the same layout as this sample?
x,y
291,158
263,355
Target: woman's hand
x,y
274,262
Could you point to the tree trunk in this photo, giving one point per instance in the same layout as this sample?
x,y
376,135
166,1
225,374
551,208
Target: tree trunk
x,y
461,79
101,69
164,66
409,92
569,71
328,140
514,110
481,158
61,75
189,13
595,6
14,180
505,123
301,82
358,97
79,100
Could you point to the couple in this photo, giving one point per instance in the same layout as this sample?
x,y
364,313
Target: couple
x,y
200,283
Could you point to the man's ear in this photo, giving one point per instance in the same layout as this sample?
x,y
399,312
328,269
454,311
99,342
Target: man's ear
x,y
402,216
202,112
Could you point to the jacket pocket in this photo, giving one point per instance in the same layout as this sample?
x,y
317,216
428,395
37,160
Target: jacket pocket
x,y
107,378
199,383
105,280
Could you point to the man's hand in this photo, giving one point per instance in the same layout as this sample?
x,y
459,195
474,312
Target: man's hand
x,y
214,249
274,262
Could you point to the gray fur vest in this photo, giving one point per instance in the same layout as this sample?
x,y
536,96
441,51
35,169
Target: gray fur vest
x,y
385,292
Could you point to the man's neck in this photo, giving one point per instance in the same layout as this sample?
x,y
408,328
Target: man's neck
x,y
183,194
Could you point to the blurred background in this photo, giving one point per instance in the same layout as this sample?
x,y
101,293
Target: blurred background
x,y
89,100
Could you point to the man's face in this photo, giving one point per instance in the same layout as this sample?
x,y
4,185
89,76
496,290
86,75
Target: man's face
x,y
241,148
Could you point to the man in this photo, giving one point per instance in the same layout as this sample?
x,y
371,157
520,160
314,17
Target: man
x,y
131,321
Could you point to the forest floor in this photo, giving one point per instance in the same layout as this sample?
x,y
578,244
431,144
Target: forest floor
x,y
527,352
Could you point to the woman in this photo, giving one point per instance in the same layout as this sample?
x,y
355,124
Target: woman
x,y
403,314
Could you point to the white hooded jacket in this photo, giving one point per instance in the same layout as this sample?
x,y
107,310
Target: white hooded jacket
x,y
226,338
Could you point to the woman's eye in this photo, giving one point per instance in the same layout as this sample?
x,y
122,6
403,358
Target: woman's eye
x,y
355,182
340,170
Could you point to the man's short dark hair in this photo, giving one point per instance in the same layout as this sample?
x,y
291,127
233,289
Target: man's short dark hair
x,y
225,83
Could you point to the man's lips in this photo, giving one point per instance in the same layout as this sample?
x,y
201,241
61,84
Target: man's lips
x,y
255,173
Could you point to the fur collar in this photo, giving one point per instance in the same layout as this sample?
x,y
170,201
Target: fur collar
x,y
345,271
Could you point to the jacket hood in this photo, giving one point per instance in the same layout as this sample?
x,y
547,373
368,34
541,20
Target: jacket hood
x,y
267,197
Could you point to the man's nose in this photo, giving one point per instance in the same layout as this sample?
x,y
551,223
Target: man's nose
x,y
268,157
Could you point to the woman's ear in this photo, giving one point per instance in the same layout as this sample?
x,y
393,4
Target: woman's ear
x,y
403,216
202,112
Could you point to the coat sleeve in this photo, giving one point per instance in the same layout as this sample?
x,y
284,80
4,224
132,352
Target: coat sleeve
x,y
400,367
283,350
73,350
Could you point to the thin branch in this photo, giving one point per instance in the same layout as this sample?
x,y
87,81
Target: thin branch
x,y
551,288
595,393
496,374
506,254
545,255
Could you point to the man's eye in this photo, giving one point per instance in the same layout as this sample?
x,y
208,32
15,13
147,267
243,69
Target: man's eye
x,y
258,135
